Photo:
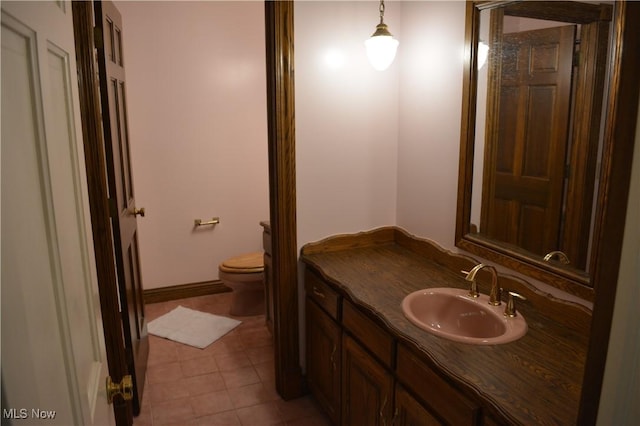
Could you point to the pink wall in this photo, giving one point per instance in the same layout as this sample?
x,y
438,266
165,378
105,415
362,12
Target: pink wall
x,y
430,108
197,114
346,120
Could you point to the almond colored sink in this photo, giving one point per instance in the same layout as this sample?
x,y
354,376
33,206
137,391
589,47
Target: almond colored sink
x,y
453,314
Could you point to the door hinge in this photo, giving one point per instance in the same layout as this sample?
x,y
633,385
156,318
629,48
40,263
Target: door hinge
x,y
576,58
98,39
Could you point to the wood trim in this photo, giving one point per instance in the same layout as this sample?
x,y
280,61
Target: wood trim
x,y
282,194
99,207
620,132
182,291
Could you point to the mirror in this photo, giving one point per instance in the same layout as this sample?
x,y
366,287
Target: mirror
x,y
532,137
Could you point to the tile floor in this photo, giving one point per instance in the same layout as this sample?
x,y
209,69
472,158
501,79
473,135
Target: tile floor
x,y
231,382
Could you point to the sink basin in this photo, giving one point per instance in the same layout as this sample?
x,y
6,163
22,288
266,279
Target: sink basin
x,y
453,314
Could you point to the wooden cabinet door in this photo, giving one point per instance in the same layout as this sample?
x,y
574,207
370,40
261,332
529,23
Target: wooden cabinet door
x,y
323,359
367,388
409,412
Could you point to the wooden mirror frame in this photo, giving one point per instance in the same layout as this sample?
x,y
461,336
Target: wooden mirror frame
x,y
569,281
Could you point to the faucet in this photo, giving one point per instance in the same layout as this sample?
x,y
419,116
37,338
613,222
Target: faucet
x,y
563,258
495,295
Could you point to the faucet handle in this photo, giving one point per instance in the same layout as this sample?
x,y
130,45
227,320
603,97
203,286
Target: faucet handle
x,y
510,309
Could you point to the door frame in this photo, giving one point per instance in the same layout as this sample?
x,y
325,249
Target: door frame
x,y
282,196
279,34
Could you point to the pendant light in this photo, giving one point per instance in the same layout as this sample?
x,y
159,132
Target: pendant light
x,y
381,47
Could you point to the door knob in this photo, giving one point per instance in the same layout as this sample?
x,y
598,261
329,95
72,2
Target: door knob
x,y
124,388
138,212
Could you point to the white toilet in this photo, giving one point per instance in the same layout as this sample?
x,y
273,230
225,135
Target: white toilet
x,y
244,274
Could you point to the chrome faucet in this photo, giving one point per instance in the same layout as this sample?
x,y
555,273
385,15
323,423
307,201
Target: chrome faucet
x,y
563,258
495,295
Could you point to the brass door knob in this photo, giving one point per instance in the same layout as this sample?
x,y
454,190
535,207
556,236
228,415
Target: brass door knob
x,y
124,388
138,212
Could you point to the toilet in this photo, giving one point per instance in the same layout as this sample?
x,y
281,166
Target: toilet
x,y
244,274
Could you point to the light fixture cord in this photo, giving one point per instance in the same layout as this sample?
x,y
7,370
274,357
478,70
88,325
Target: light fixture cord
x,y
381,11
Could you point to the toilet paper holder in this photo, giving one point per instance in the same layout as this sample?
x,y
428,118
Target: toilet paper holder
x,y
213,221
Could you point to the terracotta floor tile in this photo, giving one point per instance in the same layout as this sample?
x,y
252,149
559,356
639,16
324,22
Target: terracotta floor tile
x,y
318,420
266,414
225,346
211,403
145,418
155,310
166,391
255,394
229,383
260,355
266,371
226,418
256,339
163,373
157,357
297,408
174,411
198,366
204,383
232,361
186,352
240,377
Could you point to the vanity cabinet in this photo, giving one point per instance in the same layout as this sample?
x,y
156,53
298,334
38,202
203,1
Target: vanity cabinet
x,y
409,412
450,405
324,349
367,387
360,375
367,364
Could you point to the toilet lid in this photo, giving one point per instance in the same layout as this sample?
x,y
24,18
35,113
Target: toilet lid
x,y
244,264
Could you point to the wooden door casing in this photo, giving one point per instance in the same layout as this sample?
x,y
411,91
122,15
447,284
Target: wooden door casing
x,y
121,194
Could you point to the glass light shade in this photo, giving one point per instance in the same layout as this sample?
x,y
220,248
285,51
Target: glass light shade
x,y
381,50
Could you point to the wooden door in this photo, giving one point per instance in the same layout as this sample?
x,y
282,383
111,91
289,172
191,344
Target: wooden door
x,y
525,167
367,388
54,364
121,194
324,350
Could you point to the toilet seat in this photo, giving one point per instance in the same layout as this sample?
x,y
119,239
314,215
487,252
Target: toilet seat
x,y
250,263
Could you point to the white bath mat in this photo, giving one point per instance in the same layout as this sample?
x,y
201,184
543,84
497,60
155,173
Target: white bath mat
x,y
190,327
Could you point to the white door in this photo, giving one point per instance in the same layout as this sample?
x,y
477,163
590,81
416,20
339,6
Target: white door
x,y
53,356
